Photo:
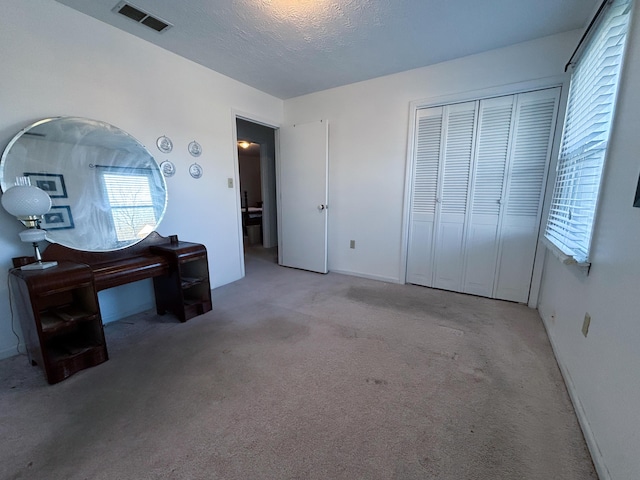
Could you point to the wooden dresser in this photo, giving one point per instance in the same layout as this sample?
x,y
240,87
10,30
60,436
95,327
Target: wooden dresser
x,y
58,307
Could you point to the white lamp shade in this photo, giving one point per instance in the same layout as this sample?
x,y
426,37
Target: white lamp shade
x,y
25,201
32,235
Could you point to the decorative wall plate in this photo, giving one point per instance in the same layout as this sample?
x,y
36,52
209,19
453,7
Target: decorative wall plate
x,y
164,144
168,168
195,149
195,170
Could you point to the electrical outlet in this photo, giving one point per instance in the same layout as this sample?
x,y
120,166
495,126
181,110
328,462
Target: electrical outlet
x,y
585,324
352,244
230,182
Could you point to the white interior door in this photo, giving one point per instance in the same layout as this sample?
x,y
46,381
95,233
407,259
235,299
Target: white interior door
x,y
303,190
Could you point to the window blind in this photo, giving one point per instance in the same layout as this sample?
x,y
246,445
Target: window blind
x,y
587,126
131,204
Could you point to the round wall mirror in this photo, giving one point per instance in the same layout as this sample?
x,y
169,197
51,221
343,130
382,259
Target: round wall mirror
x,y
107,190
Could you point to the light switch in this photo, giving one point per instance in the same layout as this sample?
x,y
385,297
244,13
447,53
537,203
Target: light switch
x,y
230,182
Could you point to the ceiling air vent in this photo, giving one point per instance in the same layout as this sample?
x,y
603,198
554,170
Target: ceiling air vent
x,y
140,16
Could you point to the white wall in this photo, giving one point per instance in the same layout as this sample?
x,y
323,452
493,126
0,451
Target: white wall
x,y
56,61
603,368
368,128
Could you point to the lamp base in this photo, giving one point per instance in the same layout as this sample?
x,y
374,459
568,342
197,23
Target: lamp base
x,y
38,265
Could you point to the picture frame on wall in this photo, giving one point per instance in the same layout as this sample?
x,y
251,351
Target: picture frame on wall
x,y
52,183
58,218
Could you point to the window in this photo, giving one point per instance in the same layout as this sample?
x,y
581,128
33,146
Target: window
x,y
587,126
132,207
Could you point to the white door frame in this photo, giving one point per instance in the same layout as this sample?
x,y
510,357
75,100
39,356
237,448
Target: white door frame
x,y
511,89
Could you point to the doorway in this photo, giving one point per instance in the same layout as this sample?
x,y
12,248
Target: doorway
x,y
257,188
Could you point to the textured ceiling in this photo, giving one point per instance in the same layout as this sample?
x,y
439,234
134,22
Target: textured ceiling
x,y
289,48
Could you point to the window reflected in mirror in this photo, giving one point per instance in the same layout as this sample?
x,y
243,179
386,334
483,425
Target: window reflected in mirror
x,y
128,193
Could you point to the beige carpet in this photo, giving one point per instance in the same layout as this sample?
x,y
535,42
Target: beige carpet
x,y
296,375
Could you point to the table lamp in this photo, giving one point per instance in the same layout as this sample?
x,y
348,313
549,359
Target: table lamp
x,y
29,204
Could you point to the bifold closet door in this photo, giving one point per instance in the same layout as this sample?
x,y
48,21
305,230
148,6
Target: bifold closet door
x,y
426,167
443,153
478,182
453,194
483,221
532,141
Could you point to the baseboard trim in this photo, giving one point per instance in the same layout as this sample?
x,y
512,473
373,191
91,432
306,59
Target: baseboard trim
x,y
367,275
127,312
587,432
12,351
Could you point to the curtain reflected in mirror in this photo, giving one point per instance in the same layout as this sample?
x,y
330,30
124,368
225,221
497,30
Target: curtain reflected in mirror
x,y
107,189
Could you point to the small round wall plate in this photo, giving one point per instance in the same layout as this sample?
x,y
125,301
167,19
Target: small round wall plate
x,y
195,149
195,170
164,144
168,168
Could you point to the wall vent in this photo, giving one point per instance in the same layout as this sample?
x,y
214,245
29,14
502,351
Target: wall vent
x,y
140,16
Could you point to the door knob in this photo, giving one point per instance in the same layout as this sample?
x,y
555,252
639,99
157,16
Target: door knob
x,y
322,206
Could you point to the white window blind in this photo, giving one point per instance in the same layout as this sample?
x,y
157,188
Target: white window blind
x,y
131,203
587,125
